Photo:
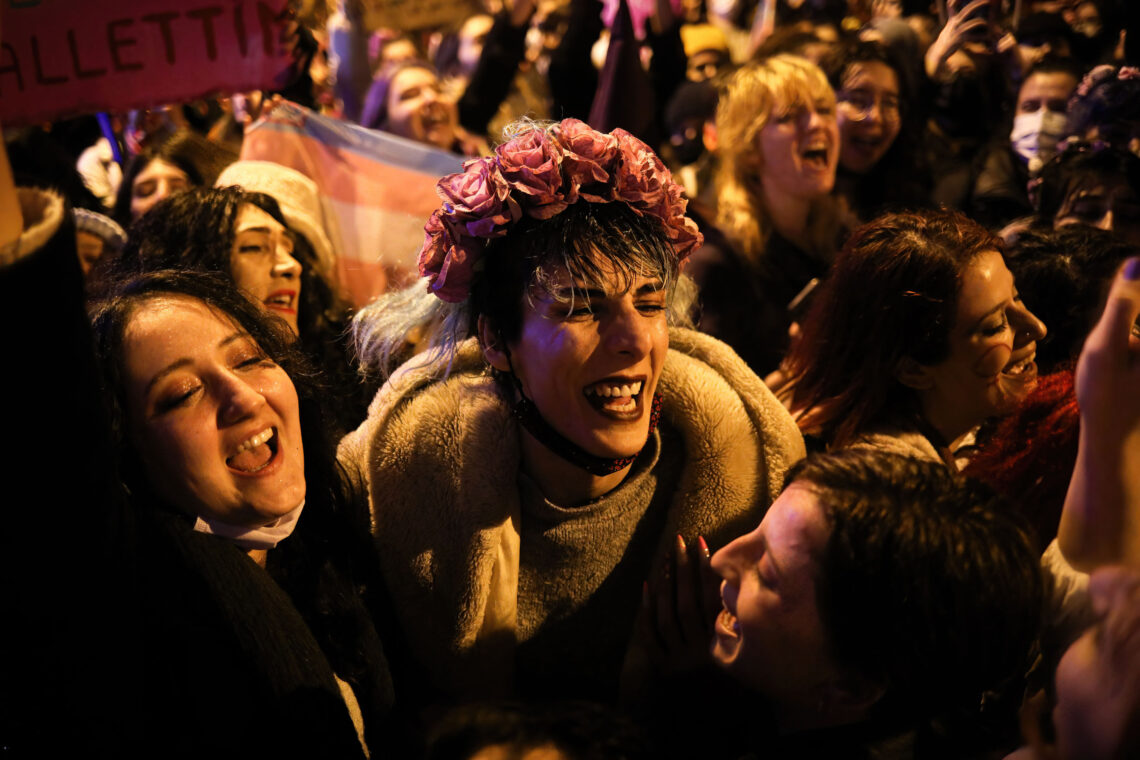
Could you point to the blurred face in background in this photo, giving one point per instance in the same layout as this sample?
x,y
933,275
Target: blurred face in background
x,y
799,150
1106,202
472,35
1039,119
869,117
418,110
263,265
90,249
158,180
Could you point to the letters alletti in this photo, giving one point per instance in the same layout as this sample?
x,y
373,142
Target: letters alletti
x,y
114,46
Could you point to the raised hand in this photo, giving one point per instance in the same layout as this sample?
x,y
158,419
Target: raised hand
x,y
1100,523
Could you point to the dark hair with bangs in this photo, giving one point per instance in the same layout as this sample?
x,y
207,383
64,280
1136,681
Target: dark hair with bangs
x,y
1063,277
334,529
114,310
170,152
190,230
892,294
591,241
928,585
1079,167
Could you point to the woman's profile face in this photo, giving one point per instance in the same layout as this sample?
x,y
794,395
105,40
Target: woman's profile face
x,y
769,634
214,420
262,263
158,180
868,109
799,151
993,343
590,360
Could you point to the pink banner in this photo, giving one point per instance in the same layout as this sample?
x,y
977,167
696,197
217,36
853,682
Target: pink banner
x,y
65,57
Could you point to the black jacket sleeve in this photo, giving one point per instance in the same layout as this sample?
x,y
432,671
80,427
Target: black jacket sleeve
x,y
503,51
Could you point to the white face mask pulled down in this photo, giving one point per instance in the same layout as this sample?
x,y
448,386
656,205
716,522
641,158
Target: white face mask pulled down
x,y
259,537
1035,136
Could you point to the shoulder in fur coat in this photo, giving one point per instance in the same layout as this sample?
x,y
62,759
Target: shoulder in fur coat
x,y
440,456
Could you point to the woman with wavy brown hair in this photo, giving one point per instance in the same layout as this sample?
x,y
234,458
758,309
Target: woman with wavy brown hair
x,y
916,338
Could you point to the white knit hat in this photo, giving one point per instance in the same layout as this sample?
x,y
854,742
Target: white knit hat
x,y
298,197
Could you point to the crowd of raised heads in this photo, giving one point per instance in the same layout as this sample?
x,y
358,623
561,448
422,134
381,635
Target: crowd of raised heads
x,y
766,388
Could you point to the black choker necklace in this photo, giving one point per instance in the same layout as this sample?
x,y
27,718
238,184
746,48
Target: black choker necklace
x,y
527,414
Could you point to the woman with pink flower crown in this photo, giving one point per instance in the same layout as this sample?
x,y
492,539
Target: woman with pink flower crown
x,y
566,436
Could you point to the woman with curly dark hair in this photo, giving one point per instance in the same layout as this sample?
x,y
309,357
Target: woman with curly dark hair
x,y
211,587
879,161
244,236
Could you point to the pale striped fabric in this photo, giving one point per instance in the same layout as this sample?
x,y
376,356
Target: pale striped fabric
x,y
377,190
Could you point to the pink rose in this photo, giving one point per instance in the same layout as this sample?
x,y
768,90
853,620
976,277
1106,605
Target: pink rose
x,y
684,236
670,205
641,178
588,159
479,198
681,230
530,163
448,265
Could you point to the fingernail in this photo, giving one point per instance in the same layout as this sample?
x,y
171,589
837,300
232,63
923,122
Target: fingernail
x,y
1132,268
704,546
680,544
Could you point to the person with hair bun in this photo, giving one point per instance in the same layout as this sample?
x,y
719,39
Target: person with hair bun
x,y
565,429
916,338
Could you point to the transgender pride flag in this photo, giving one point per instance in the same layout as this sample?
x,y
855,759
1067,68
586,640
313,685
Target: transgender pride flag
x,y
378,190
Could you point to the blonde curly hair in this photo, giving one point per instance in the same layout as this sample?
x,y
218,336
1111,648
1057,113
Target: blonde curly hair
x,y
754,95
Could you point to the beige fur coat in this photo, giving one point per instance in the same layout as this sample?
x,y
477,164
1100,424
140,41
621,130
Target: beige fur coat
x,y
440,457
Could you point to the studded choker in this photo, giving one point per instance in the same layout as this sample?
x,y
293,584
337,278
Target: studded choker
x,y
528,416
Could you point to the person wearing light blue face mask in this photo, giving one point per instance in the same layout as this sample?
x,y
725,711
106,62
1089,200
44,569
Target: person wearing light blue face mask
x,y
1002,170
1039,121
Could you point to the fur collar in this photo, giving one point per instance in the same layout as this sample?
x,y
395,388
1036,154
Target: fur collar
x,y
440,457
43,212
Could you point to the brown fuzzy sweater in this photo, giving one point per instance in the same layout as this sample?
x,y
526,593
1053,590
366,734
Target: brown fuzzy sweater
x,y
440,457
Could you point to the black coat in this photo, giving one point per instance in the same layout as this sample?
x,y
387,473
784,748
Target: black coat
x,y
127,632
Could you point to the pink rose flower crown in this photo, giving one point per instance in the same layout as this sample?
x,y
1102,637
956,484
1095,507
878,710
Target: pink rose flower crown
x,y
539,173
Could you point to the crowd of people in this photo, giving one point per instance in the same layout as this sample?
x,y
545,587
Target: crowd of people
x,y
769,389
